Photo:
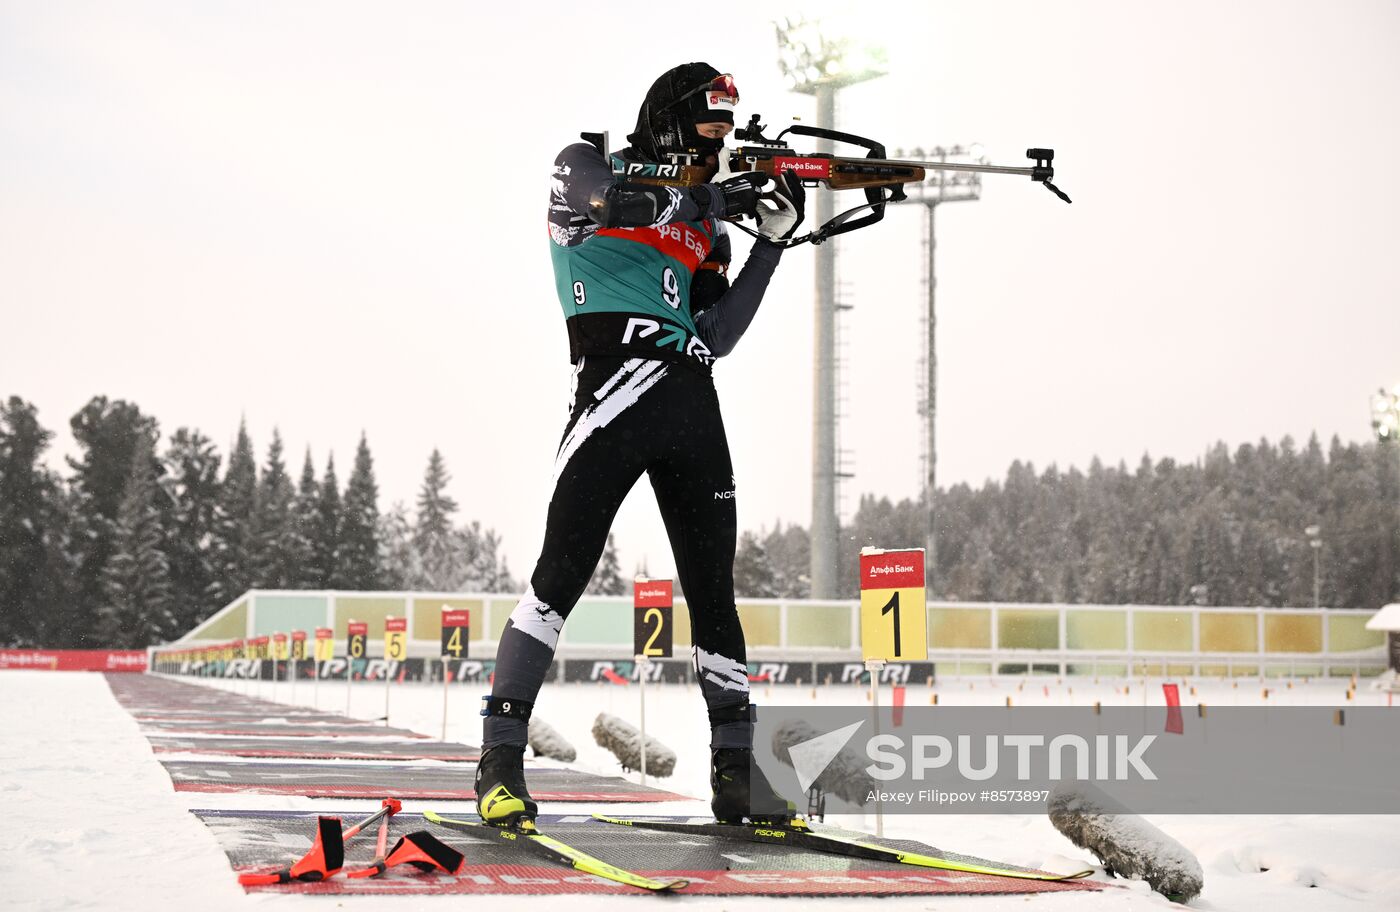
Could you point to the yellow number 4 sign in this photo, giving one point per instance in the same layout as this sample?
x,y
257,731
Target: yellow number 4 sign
x,y
893,614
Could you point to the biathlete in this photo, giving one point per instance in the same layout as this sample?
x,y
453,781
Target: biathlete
x,y
641,274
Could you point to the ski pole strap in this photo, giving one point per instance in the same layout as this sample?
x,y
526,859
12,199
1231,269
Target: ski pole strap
x,y
509,707
425,852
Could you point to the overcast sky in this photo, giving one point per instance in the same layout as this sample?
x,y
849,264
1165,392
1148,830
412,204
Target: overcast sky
x,y
329,218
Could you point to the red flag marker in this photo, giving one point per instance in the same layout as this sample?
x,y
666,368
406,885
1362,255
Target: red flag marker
x,y
1173,695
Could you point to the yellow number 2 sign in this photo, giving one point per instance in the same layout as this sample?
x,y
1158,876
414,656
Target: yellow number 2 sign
x,y
893,615
652,635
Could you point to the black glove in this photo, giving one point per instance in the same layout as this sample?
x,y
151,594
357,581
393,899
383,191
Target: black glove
x,y
779,221
729,195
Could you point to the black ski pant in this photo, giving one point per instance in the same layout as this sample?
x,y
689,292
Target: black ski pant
x,y
631,416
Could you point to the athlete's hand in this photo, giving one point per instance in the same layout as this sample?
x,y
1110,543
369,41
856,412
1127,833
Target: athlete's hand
x,y
734,195
778,221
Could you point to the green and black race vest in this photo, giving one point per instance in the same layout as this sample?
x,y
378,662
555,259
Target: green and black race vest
x,y
624,291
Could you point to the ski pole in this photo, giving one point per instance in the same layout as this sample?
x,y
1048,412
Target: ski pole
x,y
377,866
389,806
327,855
422,850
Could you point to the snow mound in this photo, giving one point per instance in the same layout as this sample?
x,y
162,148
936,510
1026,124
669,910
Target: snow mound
x,y
546,742
844,776
626,744
1126,844
1388,681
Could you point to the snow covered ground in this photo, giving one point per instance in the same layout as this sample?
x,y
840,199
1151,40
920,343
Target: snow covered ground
x,y
93,822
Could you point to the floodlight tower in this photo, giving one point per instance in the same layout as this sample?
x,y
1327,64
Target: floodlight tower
x,y
941,187
819,65
1314,534
1385,414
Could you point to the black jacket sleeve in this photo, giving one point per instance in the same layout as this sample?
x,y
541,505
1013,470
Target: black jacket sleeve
x,y
725,319
585,181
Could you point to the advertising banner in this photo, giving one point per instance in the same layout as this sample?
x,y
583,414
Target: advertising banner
x,y
74,659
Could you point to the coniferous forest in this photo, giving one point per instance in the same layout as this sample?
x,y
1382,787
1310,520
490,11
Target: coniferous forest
x,y
1227,529
143,536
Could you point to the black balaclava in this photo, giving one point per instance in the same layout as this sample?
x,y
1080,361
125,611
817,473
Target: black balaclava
x,y
667,126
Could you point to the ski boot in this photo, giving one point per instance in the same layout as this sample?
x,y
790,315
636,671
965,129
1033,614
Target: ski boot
x,y
501,797
742,793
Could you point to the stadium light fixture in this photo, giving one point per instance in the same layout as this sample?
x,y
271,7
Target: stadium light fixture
x,y
1385,413
811,57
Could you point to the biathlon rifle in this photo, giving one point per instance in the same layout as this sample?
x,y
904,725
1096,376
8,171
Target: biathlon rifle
x,y
882,178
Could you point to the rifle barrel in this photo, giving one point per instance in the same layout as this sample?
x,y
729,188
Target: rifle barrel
x,y
950,166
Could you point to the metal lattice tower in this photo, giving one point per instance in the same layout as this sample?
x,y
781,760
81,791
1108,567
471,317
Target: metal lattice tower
x,y
940,187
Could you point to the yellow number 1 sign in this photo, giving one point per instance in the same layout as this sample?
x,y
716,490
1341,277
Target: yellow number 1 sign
x,y
893,616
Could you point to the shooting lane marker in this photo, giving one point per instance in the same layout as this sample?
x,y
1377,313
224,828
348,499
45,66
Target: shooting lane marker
x,y
652,612
456,624
885,578
395,650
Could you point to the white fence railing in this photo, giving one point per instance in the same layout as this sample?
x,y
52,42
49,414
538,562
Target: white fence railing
x,y
972,637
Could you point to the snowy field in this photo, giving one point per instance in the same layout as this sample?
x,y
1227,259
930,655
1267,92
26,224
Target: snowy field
x,y
94,822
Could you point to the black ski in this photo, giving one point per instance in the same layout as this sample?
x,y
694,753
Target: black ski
x,y
797,835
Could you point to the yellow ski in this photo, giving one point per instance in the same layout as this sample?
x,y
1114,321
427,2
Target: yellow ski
x,y
552,848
